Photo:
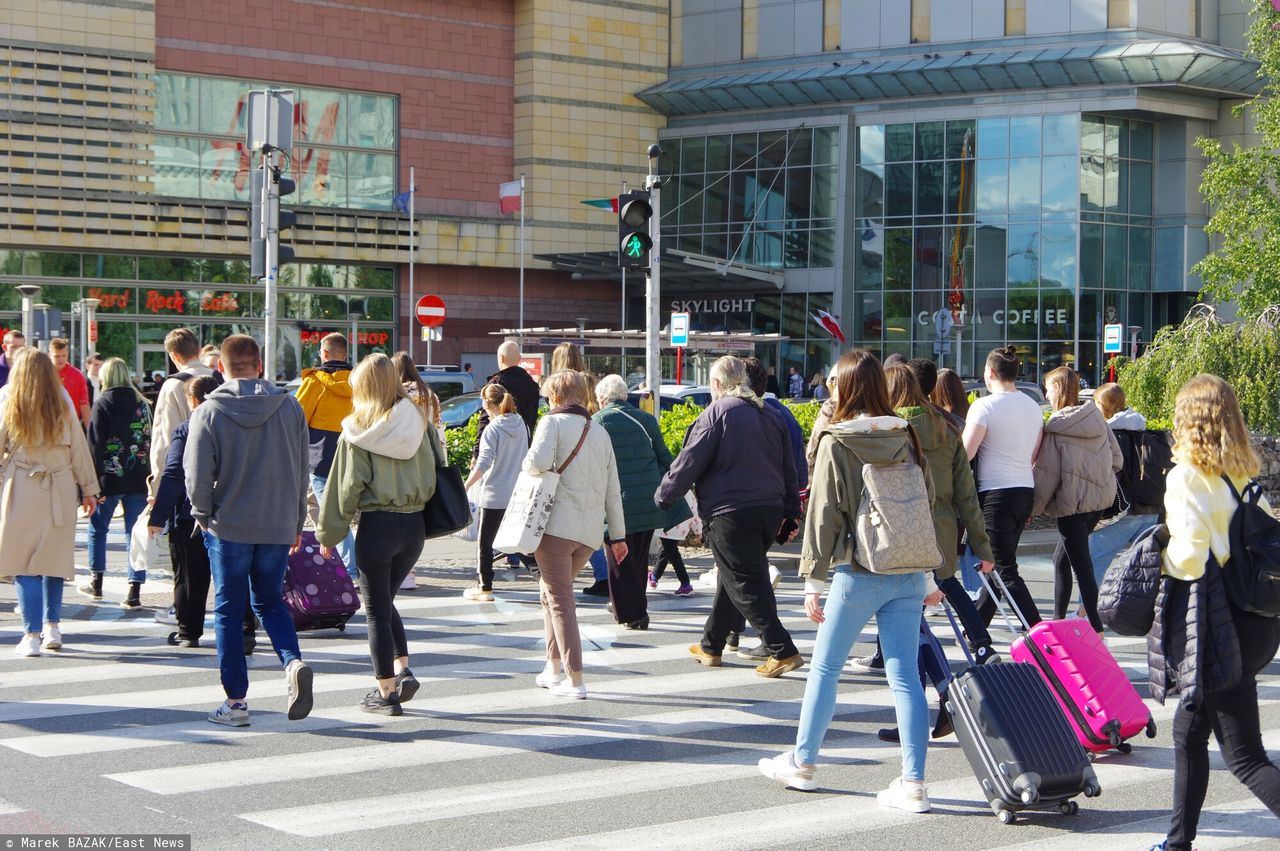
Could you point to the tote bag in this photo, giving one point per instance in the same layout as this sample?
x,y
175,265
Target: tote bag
x,y
525,521
471,532
448,510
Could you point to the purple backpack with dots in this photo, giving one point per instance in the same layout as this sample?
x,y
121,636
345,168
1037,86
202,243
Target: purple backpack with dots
x,y
317,590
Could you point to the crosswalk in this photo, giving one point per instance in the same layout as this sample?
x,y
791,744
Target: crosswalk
x,y
661,755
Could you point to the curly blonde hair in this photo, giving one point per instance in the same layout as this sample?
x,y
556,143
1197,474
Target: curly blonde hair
x,y
1209,431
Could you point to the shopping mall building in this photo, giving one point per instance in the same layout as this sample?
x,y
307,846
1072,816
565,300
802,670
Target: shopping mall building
x,y
942,175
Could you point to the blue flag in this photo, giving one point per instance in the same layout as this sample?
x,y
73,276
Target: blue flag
x,y
401,202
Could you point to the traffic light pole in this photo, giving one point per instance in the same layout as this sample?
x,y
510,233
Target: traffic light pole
x,y
653,285
270,224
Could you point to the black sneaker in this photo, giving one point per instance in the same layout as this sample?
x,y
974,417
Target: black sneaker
x,y
984,655
375,703
599,589
889,734
407,685
867,664
178,641
758,653
731,643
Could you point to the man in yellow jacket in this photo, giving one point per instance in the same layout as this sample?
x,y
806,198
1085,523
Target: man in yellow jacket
x,y
325,397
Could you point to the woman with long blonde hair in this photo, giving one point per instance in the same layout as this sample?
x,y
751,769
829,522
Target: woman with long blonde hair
x,y
45,471
385,469
1215,461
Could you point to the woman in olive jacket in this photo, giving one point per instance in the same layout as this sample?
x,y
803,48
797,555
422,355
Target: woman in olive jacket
x,y
1075,476
642,458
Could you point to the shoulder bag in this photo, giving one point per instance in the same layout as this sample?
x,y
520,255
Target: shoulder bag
x,y
448,510
525,520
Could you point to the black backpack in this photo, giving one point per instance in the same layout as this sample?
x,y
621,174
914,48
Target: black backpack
x,y
1148,458
1252,575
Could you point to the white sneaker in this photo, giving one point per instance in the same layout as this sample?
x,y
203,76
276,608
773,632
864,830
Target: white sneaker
x,y
52,638
709,578
410,582
567,689
545,680
775,576
911,796
783,769
476,594
231,714
298,678
167,616
28,645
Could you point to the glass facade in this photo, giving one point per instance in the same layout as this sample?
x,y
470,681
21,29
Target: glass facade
x,y
1002,225
759,198
344,152
142,298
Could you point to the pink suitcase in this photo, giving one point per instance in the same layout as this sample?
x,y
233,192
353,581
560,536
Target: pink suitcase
x,y
317,590
1093,691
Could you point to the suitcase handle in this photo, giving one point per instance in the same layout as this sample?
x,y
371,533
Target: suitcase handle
x,y
990,581
955,627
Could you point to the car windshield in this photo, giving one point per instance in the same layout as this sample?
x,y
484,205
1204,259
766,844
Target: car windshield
x,y
459,409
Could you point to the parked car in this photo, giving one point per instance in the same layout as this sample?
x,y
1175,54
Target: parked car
x,y
447,383
1028,387
458,411
677,394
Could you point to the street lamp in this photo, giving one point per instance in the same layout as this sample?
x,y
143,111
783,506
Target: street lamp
x,y
355,315
42,310
30,292
85,309
1134,331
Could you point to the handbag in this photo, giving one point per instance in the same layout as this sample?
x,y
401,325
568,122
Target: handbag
x,y
525,520
448,510
471,532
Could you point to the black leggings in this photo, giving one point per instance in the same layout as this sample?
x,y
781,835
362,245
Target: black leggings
x,y
671,555
1072,556
490,520
1006,512
1232,717
387,547
191,580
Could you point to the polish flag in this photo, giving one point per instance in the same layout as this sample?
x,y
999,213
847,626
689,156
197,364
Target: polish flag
x,y
510,197
830,323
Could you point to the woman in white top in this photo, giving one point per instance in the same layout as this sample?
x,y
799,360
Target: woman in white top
x,y
588,494
1210,443
1003,430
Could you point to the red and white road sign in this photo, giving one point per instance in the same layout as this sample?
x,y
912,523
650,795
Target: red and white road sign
x,y
93,331
430,310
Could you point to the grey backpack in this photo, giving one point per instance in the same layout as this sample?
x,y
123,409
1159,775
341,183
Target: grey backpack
x,y
893,528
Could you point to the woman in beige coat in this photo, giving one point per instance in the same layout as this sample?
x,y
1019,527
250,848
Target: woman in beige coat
x,y
1075,478
45,470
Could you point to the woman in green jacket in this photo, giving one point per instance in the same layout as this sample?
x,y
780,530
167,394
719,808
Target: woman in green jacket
x,y
385,469
643,458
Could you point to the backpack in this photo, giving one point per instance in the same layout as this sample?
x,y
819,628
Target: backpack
x,y
1252,574
893,528
1148,458
1127,596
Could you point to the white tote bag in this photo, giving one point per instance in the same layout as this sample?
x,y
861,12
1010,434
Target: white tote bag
x,y
472,531
144,550
525,521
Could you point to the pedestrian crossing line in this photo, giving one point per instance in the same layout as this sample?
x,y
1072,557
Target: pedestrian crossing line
x,y
175,780
408,808
824,816
619,687
8,809
1237,824
103,672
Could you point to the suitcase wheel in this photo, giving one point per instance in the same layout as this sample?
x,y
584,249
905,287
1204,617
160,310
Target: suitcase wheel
x,y
1068,808
342,627
1092,790
1151,728
1006,817
1125,748
1030,795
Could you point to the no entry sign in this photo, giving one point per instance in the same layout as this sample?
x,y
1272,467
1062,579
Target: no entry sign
x,y
430,311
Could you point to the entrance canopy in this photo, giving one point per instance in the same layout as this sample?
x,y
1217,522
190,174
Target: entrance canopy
x,y
704,341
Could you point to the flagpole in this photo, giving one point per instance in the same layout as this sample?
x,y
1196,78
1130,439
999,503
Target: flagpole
x,y
522,254
412,301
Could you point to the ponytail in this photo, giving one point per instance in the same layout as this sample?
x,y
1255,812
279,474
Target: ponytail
x,y
497,396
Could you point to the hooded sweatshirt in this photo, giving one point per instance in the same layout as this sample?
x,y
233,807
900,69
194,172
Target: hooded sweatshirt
x,y
1128,420
325,397
120,437
389,466
835,491
1076,470
246,463
502,449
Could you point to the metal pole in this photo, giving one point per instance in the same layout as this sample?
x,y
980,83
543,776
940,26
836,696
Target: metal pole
x,y
355,336
653,284
30,292
622,352
83,353
271,222
521,254
430,334
412,300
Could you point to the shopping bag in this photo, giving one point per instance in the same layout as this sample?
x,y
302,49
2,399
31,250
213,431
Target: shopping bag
x,y
471,532
144,551
527,513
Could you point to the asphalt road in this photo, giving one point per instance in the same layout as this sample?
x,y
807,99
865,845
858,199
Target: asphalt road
x,y
110,736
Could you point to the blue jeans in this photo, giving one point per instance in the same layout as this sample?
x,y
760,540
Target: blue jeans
x,y
39,595
100,523
255,571
599,566
346,549
895,602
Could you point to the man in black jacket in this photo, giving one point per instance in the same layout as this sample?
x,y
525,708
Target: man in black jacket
x,y
517,382
737,456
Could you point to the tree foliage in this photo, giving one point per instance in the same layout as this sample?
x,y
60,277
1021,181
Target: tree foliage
x,y
1242,188
1244,354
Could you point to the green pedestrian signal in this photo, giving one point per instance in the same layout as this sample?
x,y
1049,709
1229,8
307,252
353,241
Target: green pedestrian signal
x,y
634,217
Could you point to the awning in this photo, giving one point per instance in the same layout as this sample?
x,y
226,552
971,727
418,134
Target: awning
x,y
680,270
698,340
1175,65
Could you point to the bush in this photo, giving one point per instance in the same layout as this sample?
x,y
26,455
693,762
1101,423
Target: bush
x,y
1244,354
805,413
459,442
675,422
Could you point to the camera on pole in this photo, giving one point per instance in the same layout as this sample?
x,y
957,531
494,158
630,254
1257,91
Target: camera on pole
x,y
634,242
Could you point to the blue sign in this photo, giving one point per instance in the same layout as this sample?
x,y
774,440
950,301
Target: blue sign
x,y
1112,339
679,329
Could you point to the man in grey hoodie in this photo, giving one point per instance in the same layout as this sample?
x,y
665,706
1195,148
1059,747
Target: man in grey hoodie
x,y
246,474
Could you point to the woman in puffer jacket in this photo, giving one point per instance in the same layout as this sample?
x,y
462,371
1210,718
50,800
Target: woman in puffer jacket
x,y
1075,481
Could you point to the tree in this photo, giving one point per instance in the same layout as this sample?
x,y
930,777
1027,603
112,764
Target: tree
x,y
1242,188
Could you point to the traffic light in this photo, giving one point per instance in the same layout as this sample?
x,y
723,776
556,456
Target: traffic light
x,y
285,219
634,242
